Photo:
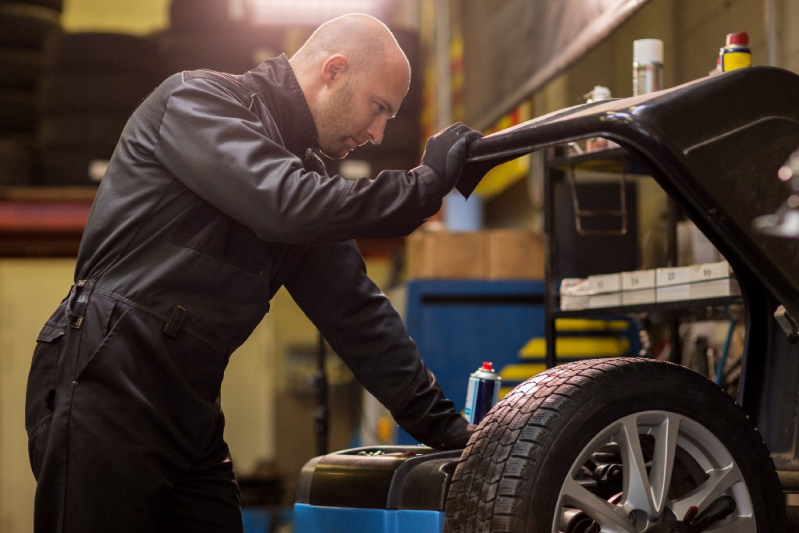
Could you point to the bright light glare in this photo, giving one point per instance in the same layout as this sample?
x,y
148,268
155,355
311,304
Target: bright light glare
x,y
309,12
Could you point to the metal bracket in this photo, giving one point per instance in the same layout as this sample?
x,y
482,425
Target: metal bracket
x,y
579,214
787,323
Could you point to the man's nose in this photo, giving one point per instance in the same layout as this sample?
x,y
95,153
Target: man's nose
x,y
376,130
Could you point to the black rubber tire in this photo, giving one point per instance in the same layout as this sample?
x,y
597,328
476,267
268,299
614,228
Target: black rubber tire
x,y
21,69
198,15
97,52
27,26
16,163
223,53
793,519
64,93
512,472
57,5
18,112
101,131
69,167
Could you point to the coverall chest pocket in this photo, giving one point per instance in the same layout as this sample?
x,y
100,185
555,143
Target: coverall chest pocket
x,y
40,395
210,231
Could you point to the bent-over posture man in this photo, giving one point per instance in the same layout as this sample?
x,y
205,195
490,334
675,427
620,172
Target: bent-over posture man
x,y
212,201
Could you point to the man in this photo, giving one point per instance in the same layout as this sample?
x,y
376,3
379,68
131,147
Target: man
x,y
212,201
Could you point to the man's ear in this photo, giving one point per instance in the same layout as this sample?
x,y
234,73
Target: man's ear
x,y
333,67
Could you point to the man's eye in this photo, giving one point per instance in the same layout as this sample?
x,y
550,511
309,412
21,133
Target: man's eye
x,y
380,108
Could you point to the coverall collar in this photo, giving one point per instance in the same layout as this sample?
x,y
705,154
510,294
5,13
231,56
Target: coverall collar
x,y
275,82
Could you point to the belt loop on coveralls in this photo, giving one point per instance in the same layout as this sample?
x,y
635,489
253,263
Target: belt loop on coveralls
x,y
173,325
77,301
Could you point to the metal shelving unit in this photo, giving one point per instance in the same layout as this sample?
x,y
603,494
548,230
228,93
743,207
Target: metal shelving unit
x,y
614,160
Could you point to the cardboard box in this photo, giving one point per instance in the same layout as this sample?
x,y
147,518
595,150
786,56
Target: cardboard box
x,y
643,296
515,254
673,293
571,302
607,299
638,280
673,276
715,288
604,283
574,287
494,254
710,271
446,255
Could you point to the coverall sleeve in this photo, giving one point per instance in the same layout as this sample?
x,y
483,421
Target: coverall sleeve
x,y
215,145
332,288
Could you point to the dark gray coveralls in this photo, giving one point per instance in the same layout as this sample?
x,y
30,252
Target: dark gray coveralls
x,y
212,201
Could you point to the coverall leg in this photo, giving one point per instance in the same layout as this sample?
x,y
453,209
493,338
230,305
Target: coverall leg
x,y
125,426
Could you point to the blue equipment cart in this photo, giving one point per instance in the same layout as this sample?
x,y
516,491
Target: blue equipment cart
x,y
395,489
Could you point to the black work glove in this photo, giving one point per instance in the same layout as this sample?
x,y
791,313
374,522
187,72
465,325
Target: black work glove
x,y
446,151
455,437
462,439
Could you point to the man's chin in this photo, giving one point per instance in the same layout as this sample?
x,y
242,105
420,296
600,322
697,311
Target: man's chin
x,y
340,154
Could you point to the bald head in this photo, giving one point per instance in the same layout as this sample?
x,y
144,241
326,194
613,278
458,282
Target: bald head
x,y
365,41
354,77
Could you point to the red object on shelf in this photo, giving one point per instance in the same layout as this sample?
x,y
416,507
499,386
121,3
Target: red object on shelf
x,y
49,222
741,38
44,216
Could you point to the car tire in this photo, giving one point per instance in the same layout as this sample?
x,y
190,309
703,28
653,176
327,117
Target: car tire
x,y
198,15
18,113
99,52
22,69
57,5
27,26
72,166
16,163
96,93
223,53
81,130
561,452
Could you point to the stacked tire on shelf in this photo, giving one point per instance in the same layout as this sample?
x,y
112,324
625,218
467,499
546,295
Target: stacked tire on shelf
x,y
25,24
201,34
91,83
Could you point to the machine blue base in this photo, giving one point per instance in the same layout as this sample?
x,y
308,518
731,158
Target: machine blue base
x,y
393,489
315,519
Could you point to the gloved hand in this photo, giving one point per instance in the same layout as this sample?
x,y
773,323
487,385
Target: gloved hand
x,y
456,437
446,151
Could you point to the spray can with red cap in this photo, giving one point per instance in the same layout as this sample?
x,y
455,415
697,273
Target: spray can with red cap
x,y
482,393
736,53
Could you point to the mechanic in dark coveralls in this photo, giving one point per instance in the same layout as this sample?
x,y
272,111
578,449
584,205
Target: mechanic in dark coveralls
x,y
212,201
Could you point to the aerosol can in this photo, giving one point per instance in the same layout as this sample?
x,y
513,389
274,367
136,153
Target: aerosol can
x,y
482,393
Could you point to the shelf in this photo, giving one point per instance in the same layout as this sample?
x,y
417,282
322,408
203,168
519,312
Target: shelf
x,y
49,222
696,308
43,221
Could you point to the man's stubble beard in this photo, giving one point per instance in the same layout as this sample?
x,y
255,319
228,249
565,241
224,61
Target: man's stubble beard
x,y
334,121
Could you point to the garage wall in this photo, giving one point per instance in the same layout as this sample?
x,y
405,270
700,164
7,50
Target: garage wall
x,y
30,289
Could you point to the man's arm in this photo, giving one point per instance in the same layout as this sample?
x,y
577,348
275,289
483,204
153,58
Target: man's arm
x,y
331,287
221,151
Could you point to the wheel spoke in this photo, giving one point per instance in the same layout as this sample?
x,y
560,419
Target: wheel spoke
x,y
719,481
605,514
663,460
637,488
